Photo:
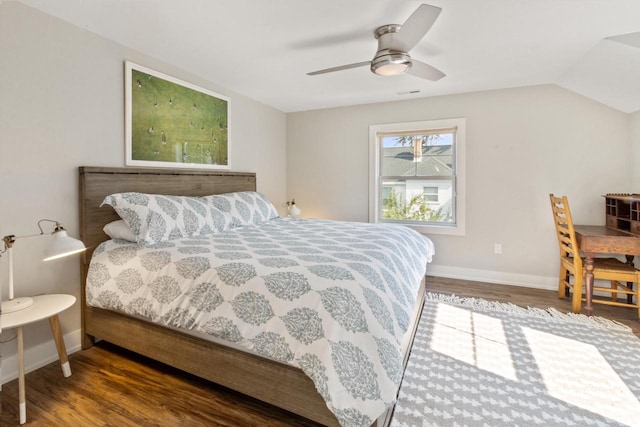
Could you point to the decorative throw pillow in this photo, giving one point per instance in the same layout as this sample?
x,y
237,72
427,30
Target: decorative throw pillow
x,y
244,207
155,218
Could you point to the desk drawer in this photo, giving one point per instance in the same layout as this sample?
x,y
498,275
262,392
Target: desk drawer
x,y
612,221
635,227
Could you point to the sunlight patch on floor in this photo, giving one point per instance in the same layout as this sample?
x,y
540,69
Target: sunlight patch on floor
x,y
473,338
578,374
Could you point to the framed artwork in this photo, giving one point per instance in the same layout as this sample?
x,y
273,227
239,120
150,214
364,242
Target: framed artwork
x,y
172,123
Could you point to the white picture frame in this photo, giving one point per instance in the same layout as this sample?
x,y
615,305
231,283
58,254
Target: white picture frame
x,y
173,123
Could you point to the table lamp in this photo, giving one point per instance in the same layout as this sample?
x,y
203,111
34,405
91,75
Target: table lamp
x,y
292,209
61,245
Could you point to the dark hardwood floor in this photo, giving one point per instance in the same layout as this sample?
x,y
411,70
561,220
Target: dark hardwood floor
x,y
110,386
113,387
525,297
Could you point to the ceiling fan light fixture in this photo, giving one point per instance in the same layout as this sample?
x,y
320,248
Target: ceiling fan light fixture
x,y
391,63
395,41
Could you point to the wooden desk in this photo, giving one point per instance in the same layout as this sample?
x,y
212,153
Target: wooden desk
x,y
598,239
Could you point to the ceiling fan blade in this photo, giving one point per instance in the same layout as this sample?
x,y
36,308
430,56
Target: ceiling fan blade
x,y
414,29
425,71
340,68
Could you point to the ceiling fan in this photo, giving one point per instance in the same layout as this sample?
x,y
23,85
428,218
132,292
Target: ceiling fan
x,y
394,43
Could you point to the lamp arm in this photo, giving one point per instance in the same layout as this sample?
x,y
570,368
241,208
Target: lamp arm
x,y
10,239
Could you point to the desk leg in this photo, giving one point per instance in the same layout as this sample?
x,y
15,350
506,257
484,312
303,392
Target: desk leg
x,y
62,350
21,392
588,281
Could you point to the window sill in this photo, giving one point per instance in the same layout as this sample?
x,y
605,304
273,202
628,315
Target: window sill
x,y
450,230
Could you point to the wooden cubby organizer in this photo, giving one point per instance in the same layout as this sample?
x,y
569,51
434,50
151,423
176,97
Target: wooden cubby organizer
x,y
623,212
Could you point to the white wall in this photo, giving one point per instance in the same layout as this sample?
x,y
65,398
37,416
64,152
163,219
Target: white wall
x,y
634,125
522,144
62,106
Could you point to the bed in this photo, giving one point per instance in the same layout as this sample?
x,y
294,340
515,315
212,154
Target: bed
x,y
248,368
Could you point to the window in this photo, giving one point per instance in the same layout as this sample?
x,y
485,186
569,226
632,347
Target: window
x,y
430,194
417,175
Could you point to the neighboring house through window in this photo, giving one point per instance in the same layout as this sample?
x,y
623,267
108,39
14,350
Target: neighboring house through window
x,y
417,175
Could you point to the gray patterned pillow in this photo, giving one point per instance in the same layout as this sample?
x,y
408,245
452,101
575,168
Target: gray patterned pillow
x,y
154,218
244,207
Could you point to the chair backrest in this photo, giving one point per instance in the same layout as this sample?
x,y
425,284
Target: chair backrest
x,y
564,228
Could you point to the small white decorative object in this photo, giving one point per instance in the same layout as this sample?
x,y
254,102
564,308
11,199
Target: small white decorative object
x,y
292,209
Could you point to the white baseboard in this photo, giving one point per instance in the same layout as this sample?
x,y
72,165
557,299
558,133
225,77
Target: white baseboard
x,y
38,356
498,277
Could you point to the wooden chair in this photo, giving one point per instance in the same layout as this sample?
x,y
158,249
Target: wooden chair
x,y
620,275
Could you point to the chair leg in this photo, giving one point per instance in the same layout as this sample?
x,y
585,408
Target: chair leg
x,y
614,288
629,259
563,290
576,301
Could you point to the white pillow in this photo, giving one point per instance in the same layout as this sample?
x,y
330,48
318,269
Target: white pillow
x,y
119,230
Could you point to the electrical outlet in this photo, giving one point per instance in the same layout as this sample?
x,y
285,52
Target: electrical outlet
x,y
497,248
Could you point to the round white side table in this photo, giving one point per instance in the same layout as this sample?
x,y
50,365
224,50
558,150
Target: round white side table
x,y
44,307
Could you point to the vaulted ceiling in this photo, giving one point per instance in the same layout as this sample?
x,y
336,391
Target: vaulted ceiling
x,y
264,48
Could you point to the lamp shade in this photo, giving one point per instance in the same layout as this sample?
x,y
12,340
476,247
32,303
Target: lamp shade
x,y
62,245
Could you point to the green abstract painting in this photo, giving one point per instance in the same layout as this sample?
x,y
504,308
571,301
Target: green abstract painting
x,y
172,123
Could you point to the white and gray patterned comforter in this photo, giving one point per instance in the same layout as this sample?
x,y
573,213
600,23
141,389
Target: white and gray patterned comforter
x,y
331,298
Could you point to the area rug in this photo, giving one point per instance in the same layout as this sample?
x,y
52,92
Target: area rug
x,y
481,363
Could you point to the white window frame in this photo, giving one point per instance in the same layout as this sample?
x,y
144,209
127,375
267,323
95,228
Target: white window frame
x,y
375,158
